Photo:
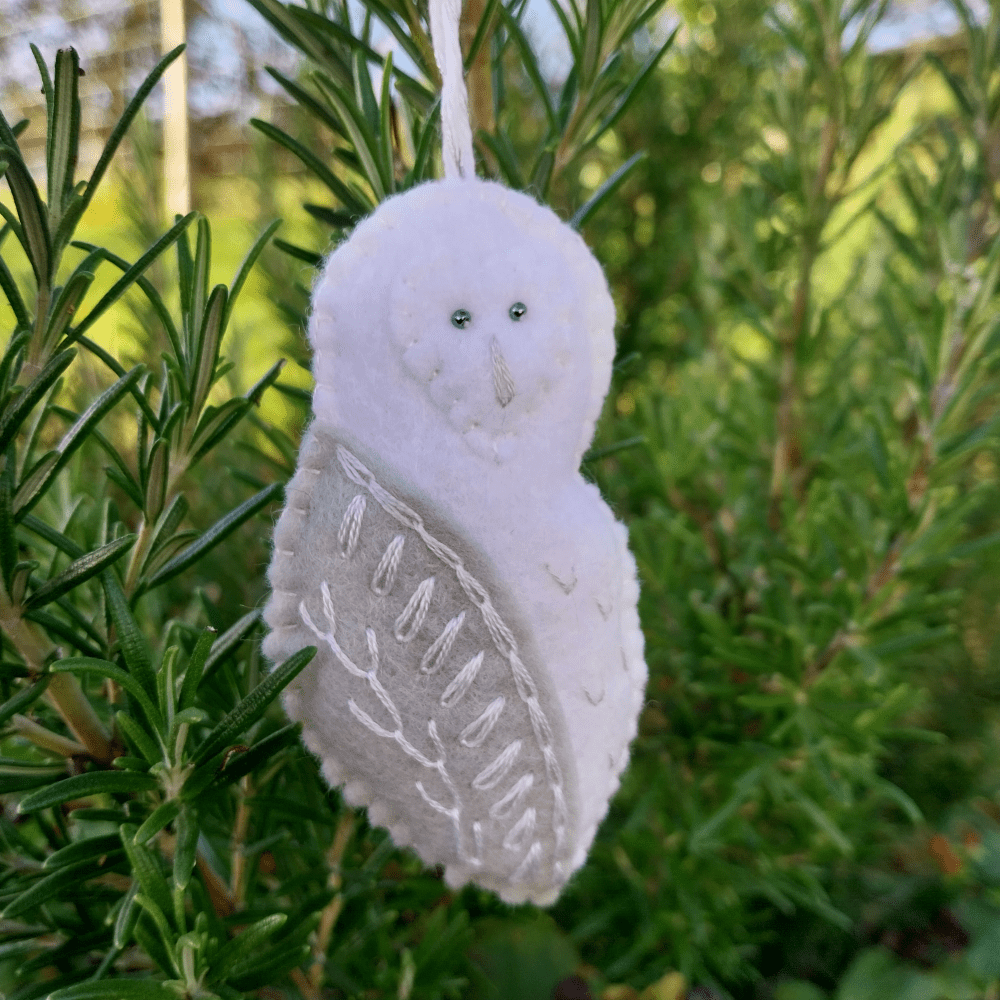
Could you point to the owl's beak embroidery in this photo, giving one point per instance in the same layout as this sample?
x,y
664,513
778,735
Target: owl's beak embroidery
x,y
503,381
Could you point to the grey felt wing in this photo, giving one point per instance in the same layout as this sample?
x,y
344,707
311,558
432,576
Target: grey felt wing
x,y
420,700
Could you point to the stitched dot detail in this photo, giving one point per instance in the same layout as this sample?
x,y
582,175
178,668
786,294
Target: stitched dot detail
x,y
474,734
521,832
388,565
503,640
412,616
494,773
530,860
502,808
462,681
350,526
441,647
453,812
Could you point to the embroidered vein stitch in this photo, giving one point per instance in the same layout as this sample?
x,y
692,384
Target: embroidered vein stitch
x,y
520,833
385,573
474,735
462,681
350,526
441,647
494,773
503,640
502,808
412,616
454,813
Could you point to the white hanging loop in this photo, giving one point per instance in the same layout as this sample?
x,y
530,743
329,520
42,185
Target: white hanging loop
x,y
456,133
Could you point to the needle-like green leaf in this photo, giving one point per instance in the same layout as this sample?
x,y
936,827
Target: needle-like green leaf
x,y
263,750
164,813
15,416
146,869
13,296
299,35
229,640
139,737
64,132
34,484
385,126
130,277
483,29
530,62
186,850
195,668
348,197
316,107
43,890
33,231
219,531
86,664
246,266
360,131
133,645
607,189
128,916
66,305
405,39
82,785
23,700
82,850
251,708
246,945
206,353
80,570
123,123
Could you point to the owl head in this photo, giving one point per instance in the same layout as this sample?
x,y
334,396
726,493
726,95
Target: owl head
x,y
495,313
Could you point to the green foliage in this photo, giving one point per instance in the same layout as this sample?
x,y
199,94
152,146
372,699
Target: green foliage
x,y
388,142
801,435
809,495
126,755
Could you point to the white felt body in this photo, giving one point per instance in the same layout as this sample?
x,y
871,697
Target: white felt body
x,y
418,403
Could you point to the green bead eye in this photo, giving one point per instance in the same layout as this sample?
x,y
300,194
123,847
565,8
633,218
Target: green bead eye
x,y
517,311
461,318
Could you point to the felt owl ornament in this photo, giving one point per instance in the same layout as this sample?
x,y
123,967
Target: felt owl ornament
x,y
480,667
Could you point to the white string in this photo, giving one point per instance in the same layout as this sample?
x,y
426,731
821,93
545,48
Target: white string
x,y
456,133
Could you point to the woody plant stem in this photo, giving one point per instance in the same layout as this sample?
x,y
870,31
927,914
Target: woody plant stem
x,y
64,693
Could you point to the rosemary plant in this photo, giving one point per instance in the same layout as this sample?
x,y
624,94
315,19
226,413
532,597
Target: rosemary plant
x,y
114,741
802,436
